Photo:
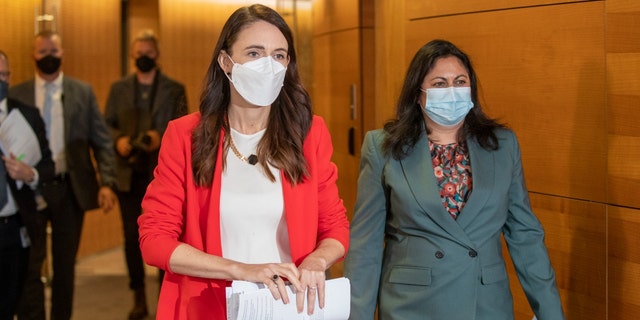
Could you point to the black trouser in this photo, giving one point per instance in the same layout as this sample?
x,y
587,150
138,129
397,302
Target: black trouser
x,y
66,218
31,305
13,264
130,210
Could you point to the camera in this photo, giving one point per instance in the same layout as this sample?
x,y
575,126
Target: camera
x,y
139,146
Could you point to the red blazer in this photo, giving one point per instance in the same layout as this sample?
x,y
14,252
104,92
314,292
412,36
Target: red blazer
x,y
176,211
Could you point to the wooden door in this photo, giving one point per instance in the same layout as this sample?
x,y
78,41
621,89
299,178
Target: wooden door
x,y
337,88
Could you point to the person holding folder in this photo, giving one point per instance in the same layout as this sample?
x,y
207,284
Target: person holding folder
x,y
18,184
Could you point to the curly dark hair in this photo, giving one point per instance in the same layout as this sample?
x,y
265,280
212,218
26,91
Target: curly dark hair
x,y
290,116
404,131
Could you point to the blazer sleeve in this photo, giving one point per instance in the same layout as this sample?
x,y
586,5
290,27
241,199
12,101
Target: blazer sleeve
x,y
524,236
45,167
101,141
162,221
332,220
364,260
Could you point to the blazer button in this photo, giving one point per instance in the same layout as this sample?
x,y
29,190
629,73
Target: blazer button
x,y
439,255
472,253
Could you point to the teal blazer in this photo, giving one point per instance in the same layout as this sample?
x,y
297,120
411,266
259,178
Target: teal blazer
x,y
412,260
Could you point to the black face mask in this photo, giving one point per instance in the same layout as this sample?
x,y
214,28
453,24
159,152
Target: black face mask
x,y
145,64
49,64
4,88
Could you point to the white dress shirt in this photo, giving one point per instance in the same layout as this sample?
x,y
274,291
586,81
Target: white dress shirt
x,y
56,134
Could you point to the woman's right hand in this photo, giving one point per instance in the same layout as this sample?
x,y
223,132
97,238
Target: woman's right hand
x,y
190,261
273,275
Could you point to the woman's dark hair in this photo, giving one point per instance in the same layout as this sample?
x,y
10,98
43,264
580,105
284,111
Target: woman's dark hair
x,y
289,118
404,131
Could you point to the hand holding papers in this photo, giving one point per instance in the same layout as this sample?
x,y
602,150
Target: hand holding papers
x,y
250,301
17,137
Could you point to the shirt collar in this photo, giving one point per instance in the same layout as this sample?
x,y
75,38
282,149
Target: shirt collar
x,y
57,83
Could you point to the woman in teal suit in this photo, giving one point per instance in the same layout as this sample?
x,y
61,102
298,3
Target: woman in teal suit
x,y
438,186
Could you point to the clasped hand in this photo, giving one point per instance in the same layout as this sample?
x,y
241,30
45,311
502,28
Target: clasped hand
x,y
308,281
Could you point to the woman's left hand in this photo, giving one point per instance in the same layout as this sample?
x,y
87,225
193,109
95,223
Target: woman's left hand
x,y
312,279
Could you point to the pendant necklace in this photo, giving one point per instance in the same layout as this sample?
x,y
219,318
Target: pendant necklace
x,y
252,159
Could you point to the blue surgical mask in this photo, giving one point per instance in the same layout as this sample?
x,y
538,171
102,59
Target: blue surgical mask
x,y
448,106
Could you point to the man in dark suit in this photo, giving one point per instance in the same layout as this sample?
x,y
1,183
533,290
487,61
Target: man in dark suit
x,y
77,135
138,110
18,184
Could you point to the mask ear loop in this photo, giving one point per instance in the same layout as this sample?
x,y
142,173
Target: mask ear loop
x,y
228,74
425,98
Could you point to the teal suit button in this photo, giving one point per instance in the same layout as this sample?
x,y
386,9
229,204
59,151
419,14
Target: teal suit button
x,y
473,253
439,255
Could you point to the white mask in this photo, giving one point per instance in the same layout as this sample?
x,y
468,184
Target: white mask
x,y
448,106
258,81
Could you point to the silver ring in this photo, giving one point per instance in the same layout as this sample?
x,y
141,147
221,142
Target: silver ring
x,y
313,288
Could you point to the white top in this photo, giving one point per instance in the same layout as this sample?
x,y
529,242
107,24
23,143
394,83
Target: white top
x,y
252,222
55,134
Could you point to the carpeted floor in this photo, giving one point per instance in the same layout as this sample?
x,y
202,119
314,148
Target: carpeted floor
x,y
102,290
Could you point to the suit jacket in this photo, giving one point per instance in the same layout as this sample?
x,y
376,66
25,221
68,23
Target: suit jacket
x,y
411,258
25,196
176,211
120,114
85,134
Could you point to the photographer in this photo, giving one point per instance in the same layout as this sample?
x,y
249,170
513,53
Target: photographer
x,y
137,111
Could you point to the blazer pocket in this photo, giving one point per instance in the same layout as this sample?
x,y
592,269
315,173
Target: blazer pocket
x,y
419,276
494,273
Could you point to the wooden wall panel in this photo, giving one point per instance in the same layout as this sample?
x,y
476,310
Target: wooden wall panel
x,y
91,40
341,60
623,127
337,55
142,14
18,16
541,71
390,63
623,101
190,30
624,263
334,15
433,8
575,235
92,53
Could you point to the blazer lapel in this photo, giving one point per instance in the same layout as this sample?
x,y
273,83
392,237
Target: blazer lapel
x,y
68,103
483,175
418,171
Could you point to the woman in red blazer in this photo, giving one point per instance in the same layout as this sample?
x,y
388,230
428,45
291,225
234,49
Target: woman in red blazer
x,y
245,189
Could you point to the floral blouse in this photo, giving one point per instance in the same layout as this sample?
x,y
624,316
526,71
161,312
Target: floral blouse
x,y
452,168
